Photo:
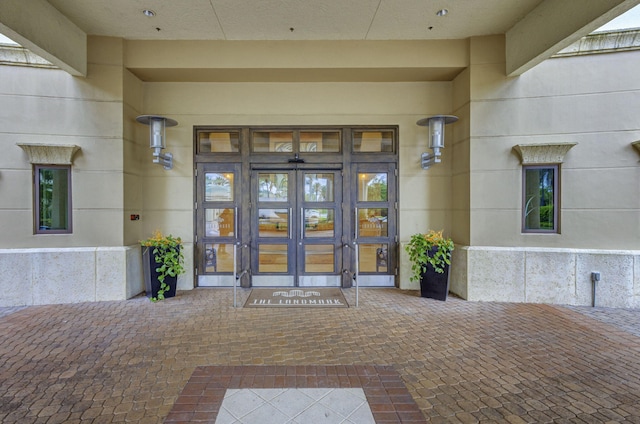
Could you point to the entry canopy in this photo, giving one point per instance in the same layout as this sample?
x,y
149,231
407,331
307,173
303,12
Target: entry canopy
x,y
533,29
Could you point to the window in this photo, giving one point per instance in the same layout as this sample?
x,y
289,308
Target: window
x,y
311,141
373,141
218,142
540,199
52,199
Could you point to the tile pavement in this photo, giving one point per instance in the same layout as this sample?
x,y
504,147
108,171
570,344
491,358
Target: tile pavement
x,y
461,361
386,395
295,406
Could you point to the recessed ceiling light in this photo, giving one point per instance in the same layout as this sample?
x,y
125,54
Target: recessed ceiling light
x,y
149,13
442,12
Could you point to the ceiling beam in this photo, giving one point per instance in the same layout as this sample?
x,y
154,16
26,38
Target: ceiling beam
x,y
39,27
309,61
554,25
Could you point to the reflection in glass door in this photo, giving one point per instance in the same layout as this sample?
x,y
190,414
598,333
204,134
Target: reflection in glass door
x,y
217,222
296,227
375,223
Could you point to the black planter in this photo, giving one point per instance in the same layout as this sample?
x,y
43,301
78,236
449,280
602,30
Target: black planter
x,y
433,284
151,283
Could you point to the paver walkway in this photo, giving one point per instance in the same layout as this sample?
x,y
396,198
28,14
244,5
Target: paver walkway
x,y
461,361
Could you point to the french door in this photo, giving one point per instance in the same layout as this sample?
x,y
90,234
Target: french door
x,y
296,226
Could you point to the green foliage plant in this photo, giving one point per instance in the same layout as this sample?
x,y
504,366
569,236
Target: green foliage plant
x,y
168,255
420,248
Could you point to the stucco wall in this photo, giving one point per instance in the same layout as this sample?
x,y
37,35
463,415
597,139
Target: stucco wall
x,y
588,100
50,106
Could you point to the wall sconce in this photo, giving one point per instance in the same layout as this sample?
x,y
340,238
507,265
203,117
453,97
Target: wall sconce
x,y
157,125
436,137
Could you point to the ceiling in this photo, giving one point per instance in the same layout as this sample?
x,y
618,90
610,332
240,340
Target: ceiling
x,y
533,31
294,19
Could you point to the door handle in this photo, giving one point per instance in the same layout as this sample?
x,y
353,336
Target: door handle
x,y
355,224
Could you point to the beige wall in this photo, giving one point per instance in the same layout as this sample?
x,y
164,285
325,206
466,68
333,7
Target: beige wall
x,y
589,100
460,229
168,198
50,106
135,151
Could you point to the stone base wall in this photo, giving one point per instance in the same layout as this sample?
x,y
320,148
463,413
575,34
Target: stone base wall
x,y
537,275
69,275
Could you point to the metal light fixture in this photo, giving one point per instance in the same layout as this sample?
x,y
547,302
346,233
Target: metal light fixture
x,y
157,125
436,125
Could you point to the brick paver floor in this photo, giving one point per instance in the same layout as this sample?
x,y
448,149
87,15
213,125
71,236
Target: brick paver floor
x,y
129,361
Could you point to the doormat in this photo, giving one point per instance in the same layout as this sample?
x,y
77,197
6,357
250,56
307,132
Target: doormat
x,y
296,298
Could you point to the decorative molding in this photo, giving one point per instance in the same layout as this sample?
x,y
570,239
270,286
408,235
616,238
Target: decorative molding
x,y
636,144
53,154
542,153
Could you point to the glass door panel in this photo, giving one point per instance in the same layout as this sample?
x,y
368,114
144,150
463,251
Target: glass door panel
x,y
372,222
273,222
319,258
373,257
297,221
375,221
319,223
373,187
217,223
273,187
273,258
319,187
218,187
218,257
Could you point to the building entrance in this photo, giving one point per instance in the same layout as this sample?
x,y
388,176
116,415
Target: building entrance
x,y
296,207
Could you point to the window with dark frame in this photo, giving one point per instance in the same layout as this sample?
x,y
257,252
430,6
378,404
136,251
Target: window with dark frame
x,y
540,204
52,199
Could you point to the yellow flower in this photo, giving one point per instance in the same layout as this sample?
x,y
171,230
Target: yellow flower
x,y
159,240
434,237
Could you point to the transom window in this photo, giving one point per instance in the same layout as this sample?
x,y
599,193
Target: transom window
x,y
373,141
295,141
219,142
